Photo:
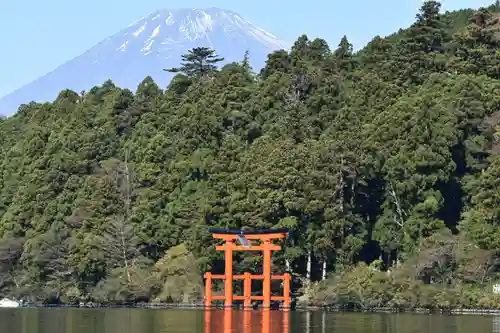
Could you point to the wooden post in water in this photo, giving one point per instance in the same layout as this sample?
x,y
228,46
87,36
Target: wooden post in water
x,y
208,289
286,292
228,275
266,270
247,291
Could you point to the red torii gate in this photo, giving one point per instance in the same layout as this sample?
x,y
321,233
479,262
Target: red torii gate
x,y
264,239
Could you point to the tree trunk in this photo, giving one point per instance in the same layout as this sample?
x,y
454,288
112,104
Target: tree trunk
x,y
308,269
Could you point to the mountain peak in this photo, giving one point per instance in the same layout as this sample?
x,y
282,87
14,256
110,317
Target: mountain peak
x,y
173,26
148,45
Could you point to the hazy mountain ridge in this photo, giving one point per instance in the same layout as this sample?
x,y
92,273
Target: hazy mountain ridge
x,y
147,46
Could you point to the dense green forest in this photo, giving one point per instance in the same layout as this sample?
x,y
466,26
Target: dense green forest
x,y
383,163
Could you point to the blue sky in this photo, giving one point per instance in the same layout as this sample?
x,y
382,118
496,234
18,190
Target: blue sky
x,y
39,35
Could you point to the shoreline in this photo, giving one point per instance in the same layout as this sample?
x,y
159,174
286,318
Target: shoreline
x,y
455,311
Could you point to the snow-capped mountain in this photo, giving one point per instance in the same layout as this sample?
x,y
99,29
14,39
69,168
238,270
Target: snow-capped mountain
x,y
146,47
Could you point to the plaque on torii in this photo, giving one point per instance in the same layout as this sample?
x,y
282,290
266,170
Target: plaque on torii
x,y
260,240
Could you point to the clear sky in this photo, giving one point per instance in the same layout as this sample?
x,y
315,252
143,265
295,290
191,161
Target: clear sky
x,y
36,36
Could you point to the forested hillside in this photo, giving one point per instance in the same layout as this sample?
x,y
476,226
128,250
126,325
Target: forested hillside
x,y
388,157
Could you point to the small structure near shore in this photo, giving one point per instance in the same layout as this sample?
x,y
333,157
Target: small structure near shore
x,y
261,240
8,303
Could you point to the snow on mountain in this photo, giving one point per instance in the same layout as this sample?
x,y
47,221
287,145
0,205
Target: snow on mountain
x,y
146,47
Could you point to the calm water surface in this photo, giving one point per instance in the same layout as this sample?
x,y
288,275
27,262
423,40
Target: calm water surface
x,y
227,321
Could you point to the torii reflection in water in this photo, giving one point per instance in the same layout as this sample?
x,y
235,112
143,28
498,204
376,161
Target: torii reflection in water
x,y
246,321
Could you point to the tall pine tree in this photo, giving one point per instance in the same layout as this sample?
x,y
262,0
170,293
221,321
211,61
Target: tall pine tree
x,y
198,62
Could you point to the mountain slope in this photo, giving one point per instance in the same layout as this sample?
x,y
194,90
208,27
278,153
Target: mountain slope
x,y
146,47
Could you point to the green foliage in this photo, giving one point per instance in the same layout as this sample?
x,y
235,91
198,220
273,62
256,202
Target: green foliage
x,y
384,164
198,62
178,272
367,287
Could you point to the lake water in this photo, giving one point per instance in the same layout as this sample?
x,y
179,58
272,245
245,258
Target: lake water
x,y
64,320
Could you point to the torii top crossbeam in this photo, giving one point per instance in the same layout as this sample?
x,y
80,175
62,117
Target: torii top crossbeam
x,y
229,234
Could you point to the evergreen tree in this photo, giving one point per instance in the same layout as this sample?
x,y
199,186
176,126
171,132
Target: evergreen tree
x,y
423,45
478,45
246,61
198,62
